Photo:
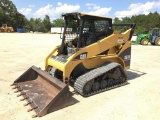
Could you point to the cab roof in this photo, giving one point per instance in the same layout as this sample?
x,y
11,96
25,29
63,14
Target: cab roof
x,y
80,14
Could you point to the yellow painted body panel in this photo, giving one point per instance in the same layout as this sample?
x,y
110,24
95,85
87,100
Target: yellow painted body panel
x,y
5,28
93,59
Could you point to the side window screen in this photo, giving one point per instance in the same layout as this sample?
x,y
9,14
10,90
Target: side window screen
x,y
101,25
94,30
71,30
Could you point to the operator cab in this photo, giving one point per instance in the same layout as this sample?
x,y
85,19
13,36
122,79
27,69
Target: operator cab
x,y
154,31
81,30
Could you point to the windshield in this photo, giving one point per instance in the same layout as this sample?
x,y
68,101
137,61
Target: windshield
x,y
71,31
94,30
70,34
151,31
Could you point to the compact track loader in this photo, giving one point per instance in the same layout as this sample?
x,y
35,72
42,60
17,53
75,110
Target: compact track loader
x,y
92,57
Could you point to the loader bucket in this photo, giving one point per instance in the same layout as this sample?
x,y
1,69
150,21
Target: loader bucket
x,y
43,92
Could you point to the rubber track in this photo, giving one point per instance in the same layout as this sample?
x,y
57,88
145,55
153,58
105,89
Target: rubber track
x,y
89,76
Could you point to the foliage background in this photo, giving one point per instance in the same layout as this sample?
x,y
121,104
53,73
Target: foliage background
x,y
9,15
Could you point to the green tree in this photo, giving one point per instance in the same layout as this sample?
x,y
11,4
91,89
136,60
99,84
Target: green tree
x,y
126,20
58,22
9,14
37,25
117,20
46,23
31,24
143,22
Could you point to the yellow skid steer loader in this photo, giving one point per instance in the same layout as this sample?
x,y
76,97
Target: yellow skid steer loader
x,y
91,56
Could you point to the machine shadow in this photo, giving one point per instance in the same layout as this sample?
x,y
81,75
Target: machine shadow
x,y
74,99
131,75
73,92
134,74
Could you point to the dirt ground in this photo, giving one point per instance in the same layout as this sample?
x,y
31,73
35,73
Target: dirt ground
x,y
139,100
